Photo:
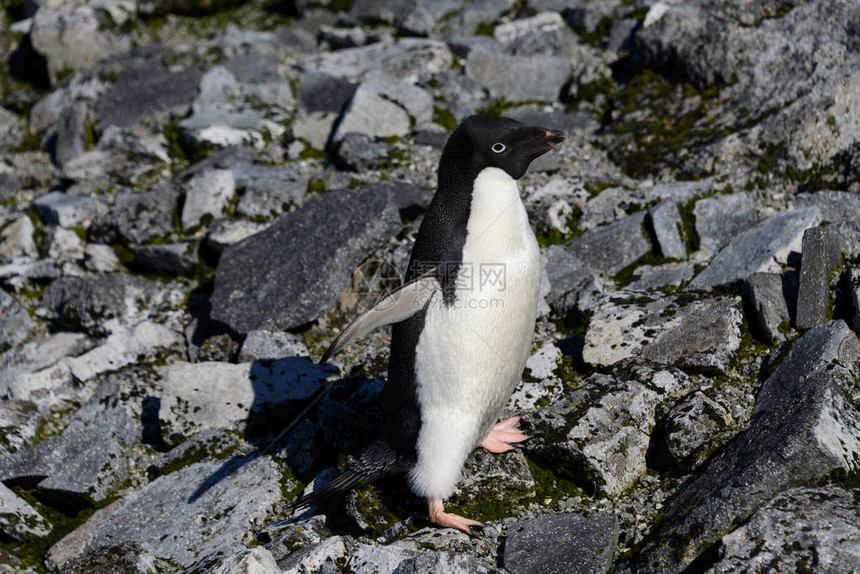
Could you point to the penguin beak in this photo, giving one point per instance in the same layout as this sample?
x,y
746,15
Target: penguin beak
x,y
554,137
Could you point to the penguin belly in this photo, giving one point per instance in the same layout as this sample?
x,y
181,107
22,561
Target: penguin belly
x,y
471,353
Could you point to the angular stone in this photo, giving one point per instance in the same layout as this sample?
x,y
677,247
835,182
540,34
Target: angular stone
x,y
225,232
259,345
71,133
19,520
302,262
758,248
222,502
444,563
127,557
320,92
100,258
667,275
802,428
417,101
611,248
39,353
572,286
16,325
247,561
545,33
682,441
720,218
835,206
166,259
814,526
367,559
465,46
820,255
765,295
489,478
67,210
562,543
64,245
17,240
138,216
200,396
320,557
665,220
425,16
206,194
680,330
269,190
145,91
19,422
519,78
371,114
473,15
229,126
361,152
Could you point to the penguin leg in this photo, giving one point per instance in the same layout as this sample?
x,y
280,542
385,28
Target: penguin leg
x,y
503,435
448,520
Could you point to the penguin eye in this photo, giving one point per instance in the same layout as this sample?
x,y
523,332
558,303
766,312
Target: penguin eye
x,y
499,147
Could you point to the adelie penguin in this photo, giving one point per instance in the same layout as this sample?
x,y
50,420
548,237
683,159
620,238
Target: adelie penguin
x,y
463,319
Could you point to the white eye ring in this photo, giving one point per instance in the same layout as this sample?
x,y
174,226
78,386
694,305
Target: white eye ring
x,y
499,147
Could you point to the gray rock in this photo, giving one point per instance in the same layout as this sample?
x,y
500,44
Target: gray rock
x,y
144,92
464,46
221,503
367,559
720,218
802,428
820,255
320,92
572,286
39,353
138,216
799,527
757,248
373,114
269,190
410,59
835,206
667,275
765,295
425,16
225,232
443,563
246,561
316,557
97,303
166,259
13,130
206,194
67,210
854,298
16,325
19,422
545,34
260,345
665,220
128,557
19,520
71,133
360,152
64,245
700,334
583,15
222,127
304,261
519,78
17,240
686,436
474,15
611,248
492,478
201,396
100,258
561,543
340,38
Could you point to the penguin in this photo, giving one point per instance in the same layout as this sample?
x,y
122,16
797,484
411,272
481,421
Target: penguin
x,y
463,320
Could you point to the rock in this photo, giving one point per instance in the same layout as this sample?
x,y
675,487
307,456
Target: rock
x,y
304,260
64,245
611,248
821,254
71,133
665,219
765,295
205,195
475,15
144,92
225,232
360,152
835,206
247,561
16,325
410,59
219,128
543,34
269,190
720,218
320,92
464,46
559,543
758,248
19,422
100,258
572,286
367,559
682,440
379,111
519,78
97,304
73,38
668,275
138,216
130,557
320,557
200,396
221,503
19,520
17,240
700,334
166,259
67,210
854,296
443,563
816,526
491,479
802,428
39,353
13,130
259,345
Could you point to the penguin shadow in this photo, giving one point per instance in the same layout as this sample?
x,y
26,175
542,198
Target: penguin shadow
x,y
282,389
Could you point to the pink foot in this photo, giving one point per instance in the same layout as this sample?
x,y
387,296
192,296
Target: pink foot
x,y
446,520
503,435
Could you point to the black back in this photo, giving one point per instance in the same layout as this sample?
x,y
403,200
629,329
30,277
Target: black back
x,y
439,244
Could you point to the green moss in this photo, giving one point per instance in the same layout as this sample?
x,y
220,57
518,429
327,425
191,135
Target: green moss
x,y
485,29
688,225
371,508
316,186
550,486
444,118
495,108
600,32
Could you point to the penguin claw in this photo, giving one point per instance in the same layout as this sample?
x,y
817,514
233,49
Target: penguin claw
x,y
504,436
447,520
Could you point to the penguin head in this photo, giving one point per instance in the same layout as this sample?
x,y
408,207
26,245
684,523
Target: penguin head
x,y
498,142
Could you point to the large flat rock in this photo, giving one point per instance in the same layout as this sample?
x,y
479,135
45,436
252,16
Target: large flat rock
x,y
293,272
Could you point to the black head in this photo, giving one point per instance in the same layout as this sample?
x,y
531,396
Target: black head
x,y
482,142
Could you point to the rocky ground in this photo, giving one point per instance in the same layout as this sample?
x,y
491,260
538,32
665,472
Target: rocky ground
x,y
187,188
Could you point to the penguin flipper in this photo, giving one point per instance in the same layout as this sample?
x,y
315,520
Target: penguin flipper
x,y
393,307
